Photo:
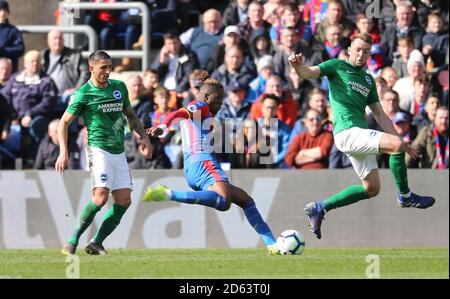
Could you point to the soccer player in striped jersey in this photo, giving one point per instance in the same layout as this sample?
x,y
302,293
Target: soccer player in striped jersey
x,y
201,168
351,90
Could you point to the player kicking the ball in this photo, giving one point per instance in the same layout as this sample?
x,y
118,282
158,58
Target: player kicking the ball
x,y
351,90
201,169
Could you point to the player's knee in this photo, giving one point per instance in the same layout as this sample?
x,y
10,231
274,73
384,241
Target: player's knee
x,y
372,190
224,207
126,202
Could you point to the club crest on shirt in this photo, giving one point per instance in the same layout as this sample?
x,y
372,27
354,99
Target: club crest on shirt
x,y
117,94
192,108
368,80
103,177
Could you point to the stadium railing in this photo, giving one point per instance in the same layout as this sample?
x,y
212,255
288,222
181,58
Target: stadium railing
x,y
71,10
84,29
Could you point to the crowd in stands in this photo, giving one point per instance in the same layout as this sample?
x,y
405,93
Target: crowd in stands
x,y
283,121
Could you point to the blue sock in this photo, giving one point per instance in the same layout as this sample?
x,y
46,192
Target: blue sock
x,y
205,198
256,221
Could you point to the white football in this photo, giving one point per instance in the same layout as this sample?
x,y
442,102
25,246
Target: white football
x,y
290,242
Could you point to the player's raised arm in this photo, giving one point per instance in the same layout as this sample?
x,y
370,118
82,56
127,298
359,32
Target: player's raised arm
x,y
306,72
181,113
136,125
63,158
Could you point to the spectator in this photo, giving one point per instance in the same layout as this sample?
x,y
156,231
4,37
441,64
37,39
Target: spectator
x,y
234,69
174,64
235,105
5,71
290,44
435,41
254,21
138,101
274,132
364,24
416,104
390,76
6,156
150,81
48,151
338,159
202,40
334,42
273,9
161,96
402,124
300,89
159,159
311,148
11,41
426,117
105,24
416,68
231,37
315,11
404,46
265,69
31,94
235,13
196,78
65,66
291,18
334,16
403,26
432,143
287,108
260,45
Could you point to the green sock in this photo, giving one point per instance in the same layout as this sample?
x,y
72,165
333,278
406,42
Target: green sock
x,y
346,197
110,222
85,219
398,168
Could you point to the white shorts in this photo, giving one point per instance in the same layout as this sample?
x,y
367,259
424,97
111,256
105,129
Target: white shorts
x,y
108,170
361,146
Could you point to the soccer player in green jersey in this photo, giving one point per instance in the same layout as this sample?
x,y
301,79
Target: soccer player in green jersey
x,y
103,103
351,90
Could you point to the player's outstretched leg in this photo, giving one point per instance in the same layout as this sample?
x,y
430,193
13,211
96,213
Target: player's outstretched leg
x,y
243,200
85,219
206,198
406,198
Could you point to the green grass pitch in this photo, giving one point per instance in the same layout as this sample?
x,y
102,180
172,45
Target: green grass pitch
x,y
228,263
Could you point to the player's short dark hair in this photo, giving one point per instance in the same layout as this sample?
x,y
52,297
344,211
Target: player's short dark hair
x,y
291,6
442,107
365,37
211,85
270,96
97,56
198,76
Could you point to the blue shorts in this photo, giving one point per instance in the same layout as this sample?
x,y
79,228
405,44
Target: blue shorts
x,y
200,175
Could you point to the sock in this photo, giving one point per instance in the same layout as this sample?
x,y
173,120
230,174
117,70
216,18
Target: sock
x,y
398,169
110,222
87,215
256,221
346,197
205,198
